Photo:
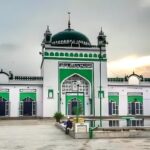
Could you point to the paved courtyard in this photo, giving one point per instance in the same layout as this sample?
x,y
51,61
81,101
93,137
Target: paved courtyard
x,y
43,135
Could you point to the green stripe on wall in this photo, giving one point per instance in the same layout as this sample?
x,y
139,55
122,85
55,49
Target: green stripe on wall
x,y
135,98
79,59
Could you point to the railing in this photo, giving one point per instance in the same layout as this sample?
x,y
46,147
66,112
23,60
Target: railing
x,y
33,78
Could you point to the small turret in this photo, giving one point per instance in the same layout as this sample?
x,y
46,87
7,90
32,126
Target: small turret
x,y
102,39
47,37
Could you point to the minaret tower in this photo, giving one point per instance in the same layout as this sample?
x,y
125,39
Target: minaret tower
x,y
47,37
102,74
102,40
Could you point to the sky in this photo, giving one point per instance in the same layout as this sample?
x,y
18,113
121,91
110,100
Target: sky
x,y
125,22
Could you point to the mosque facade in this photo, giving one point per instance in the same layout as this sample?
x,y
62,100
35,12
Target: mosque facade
x,y
74,80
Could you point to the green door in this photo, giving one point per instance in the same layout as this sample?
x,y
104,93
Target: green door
x,y
75,103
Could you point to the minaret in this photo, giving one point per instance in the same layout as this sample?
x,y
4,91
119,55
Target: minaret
x,y
47,36
101,39
101,45
46,40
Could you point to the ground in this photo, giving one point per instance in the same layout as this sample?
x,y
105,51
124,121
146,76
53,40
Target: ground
x,y
43,135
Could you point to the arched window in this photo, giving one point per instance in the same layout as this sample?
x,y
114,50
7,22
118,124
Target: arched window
x,y
56,54
71,85
85,55
80,55
61,54
90,55
134,80
66,54
46,54
51,53
76,55
95,55
71,54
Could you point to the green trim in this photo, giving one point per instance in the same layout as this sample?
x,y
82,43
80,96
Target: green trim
x,y
5,95
127,117
74,56
134,98
79,59
113,98
31,95
86,73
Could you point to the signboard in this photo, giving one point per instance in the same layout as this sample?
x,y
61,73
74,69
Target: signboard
x,y
82,128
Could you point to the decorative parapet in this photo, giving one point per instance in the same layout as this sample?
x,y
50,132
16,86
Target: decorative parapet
x,y
117,79
146,79
126,80
75,56
31,78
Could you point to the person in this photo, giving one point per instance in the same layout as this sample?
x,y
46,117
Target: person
x,y
68,125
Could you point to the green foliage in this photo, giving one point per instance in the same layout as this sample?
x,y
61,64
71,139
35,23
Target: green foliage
x,y
77,111
58,116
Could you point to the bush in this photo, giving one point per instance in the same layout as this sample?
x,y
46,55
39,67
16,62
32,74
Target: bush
x,y
58,116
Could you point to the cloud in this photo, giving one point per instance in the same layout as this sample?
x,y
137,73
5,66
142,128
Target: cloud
x,y
145,3
8,46
143,71
127,65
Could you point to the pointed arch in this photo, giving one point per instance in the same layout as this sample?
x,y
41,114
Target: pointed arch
x,y
83,84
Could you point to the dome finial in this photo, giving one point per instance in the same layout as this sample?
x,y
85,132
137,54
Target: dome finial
x,y
69,24
101,32
47,28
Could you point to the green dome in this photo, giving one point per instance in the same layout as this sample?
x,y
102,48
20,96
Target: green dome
x,y
70,38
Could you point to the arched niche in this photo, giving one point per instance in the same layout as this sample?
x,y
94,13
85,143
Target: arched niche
x,y
133,80
4,78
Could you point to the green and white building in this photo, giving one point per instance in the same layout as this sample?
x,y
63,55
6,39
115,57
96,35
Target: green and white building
x,y
74,80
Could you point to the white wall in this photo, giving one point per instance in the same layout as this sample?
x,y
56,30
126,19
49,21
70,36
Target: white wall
x,y
50,81
14,97
123,99
3,78
104,101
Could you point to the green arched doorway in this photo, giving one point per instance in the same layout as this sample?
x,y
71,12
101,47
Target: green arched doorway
x,y
4,103
28,104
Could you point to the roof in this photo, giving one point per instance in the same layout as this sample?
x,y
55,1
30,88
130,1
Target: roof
x,y
70,38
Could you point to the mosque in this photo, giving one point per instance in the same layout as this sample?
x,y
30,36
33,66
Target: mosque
x,y
74,78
